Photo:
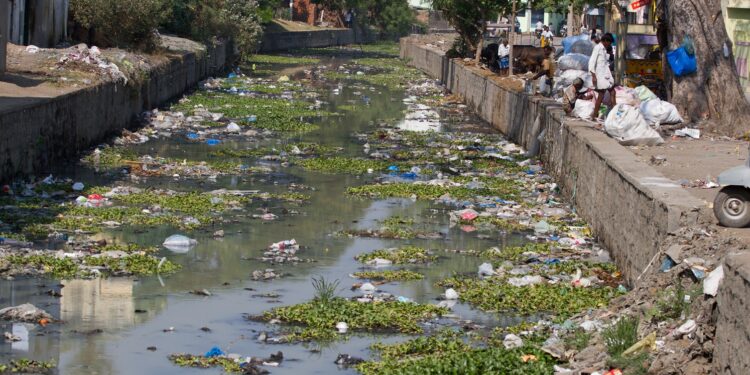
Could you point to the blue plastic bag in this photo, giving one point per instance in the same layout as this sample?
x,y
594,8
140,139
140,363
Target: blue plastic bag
x,y
569,41
681,62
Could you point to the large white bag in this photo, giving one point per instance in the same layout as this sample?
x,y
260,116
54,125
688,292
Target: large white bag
x,y
583,108
626,124
657,111
573,61
626,95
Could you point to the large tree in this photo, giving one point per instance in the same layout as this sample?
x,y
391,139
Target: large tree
x,y
469,17
713,93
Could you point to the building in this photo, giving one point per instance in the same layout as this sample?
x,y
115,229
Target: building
x,y
737,21
528,18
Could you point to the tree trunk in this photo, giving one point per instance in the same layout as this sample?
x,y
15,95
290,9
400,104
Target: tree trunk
x,y
713,93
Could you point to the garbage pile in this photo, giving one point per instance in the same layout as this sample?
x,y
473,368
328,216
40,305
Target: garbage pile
x,y
93,56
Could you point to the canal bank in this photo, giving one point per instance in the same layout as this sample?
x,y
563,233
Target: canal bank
x,y
45,122
633,209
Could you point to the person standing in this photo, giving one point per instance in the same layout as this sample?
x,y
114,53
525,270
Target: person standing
x,y
601,76
503,53
547,37
548,69
348,19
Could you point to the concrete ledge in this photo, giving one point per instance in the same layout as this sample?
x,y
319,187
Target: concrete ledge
x,y
629,205
312,39
38,135
733,322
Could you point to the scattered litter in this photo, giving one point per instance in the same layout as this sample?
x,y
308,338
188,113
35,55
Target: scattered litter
x,y
451,294
687,132
712,281
26,313
512,341
342,327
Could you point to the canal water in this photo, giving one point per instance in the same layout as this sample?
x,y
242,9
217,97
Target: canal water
x,y
110,323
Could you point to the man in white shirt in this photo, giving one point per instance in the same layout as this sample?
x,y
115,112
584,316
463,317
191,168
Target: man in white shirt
x,y
601,76
539,26
547,37
503,53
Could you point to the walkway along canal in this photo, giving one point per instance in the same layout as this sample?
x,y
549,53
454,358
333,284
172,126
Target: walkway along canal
x,y
404,216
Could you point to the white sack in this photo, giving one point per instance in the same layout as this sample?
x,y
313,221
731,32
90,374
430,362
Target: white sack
x,y
657,111
626,124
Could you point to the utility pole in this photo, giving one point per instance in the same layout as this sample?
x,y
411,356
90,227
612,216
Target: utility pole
x,y
512,38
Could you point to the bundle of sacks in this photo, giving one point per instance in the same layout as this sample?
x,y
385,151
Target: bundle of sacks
x,y
570,67
636,116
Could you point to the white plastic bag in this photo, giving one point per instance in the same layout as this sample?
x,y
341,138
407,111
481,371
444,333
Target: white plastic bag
x,y
583,108
178,243
626,124
644,94
573,61
657,111
627,96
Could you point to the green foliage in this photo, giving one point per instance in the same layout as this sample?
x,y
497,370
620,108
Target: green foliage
x,y
403,317
273,113
325,291
620,336
281,59
389,275
188,360
27,366
494,294
402,255
341,164
514,253
136,20
71,268
470,362
205,20
507,190
672,303
468,17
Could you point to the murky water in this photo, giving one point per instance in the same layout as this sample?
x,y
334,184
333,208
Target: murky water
x,y
222,266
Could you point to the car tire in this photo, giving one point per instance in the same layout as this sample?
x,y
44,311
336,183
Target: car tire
x,y
732,207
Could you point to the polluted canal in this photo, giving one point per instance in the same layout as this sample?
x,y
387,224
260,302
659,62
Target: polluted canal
x,y
299,216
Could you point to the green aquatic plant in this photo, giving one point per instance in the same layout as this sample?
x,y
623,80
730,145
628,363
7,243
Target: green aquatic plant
x,y
280,59
325,291
402,255
525,360
340,164
272,113
72,268
515,253
27,366
494,294
424,191
189,360
320,317
389,275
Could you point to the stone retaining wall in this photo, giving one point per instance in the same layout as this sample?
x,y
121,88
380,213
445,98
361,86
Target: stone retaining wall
x,y
294,40
629,205
37,136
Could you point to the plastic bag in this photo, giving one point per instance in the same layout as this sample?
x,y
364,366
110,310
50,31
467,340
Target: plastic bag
x,y
644,93
179,244
688,45
583,108
627,96
657,111
626,124
574,61
569,41
681,62
584,47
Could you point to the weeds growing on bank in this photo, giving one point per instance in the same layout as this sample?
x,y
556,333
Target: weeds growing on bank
x,y
27,366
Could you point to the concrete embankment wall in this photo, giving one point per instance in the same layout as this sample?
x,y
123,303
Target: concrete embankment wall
x,y
292,40
39,135
629,205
